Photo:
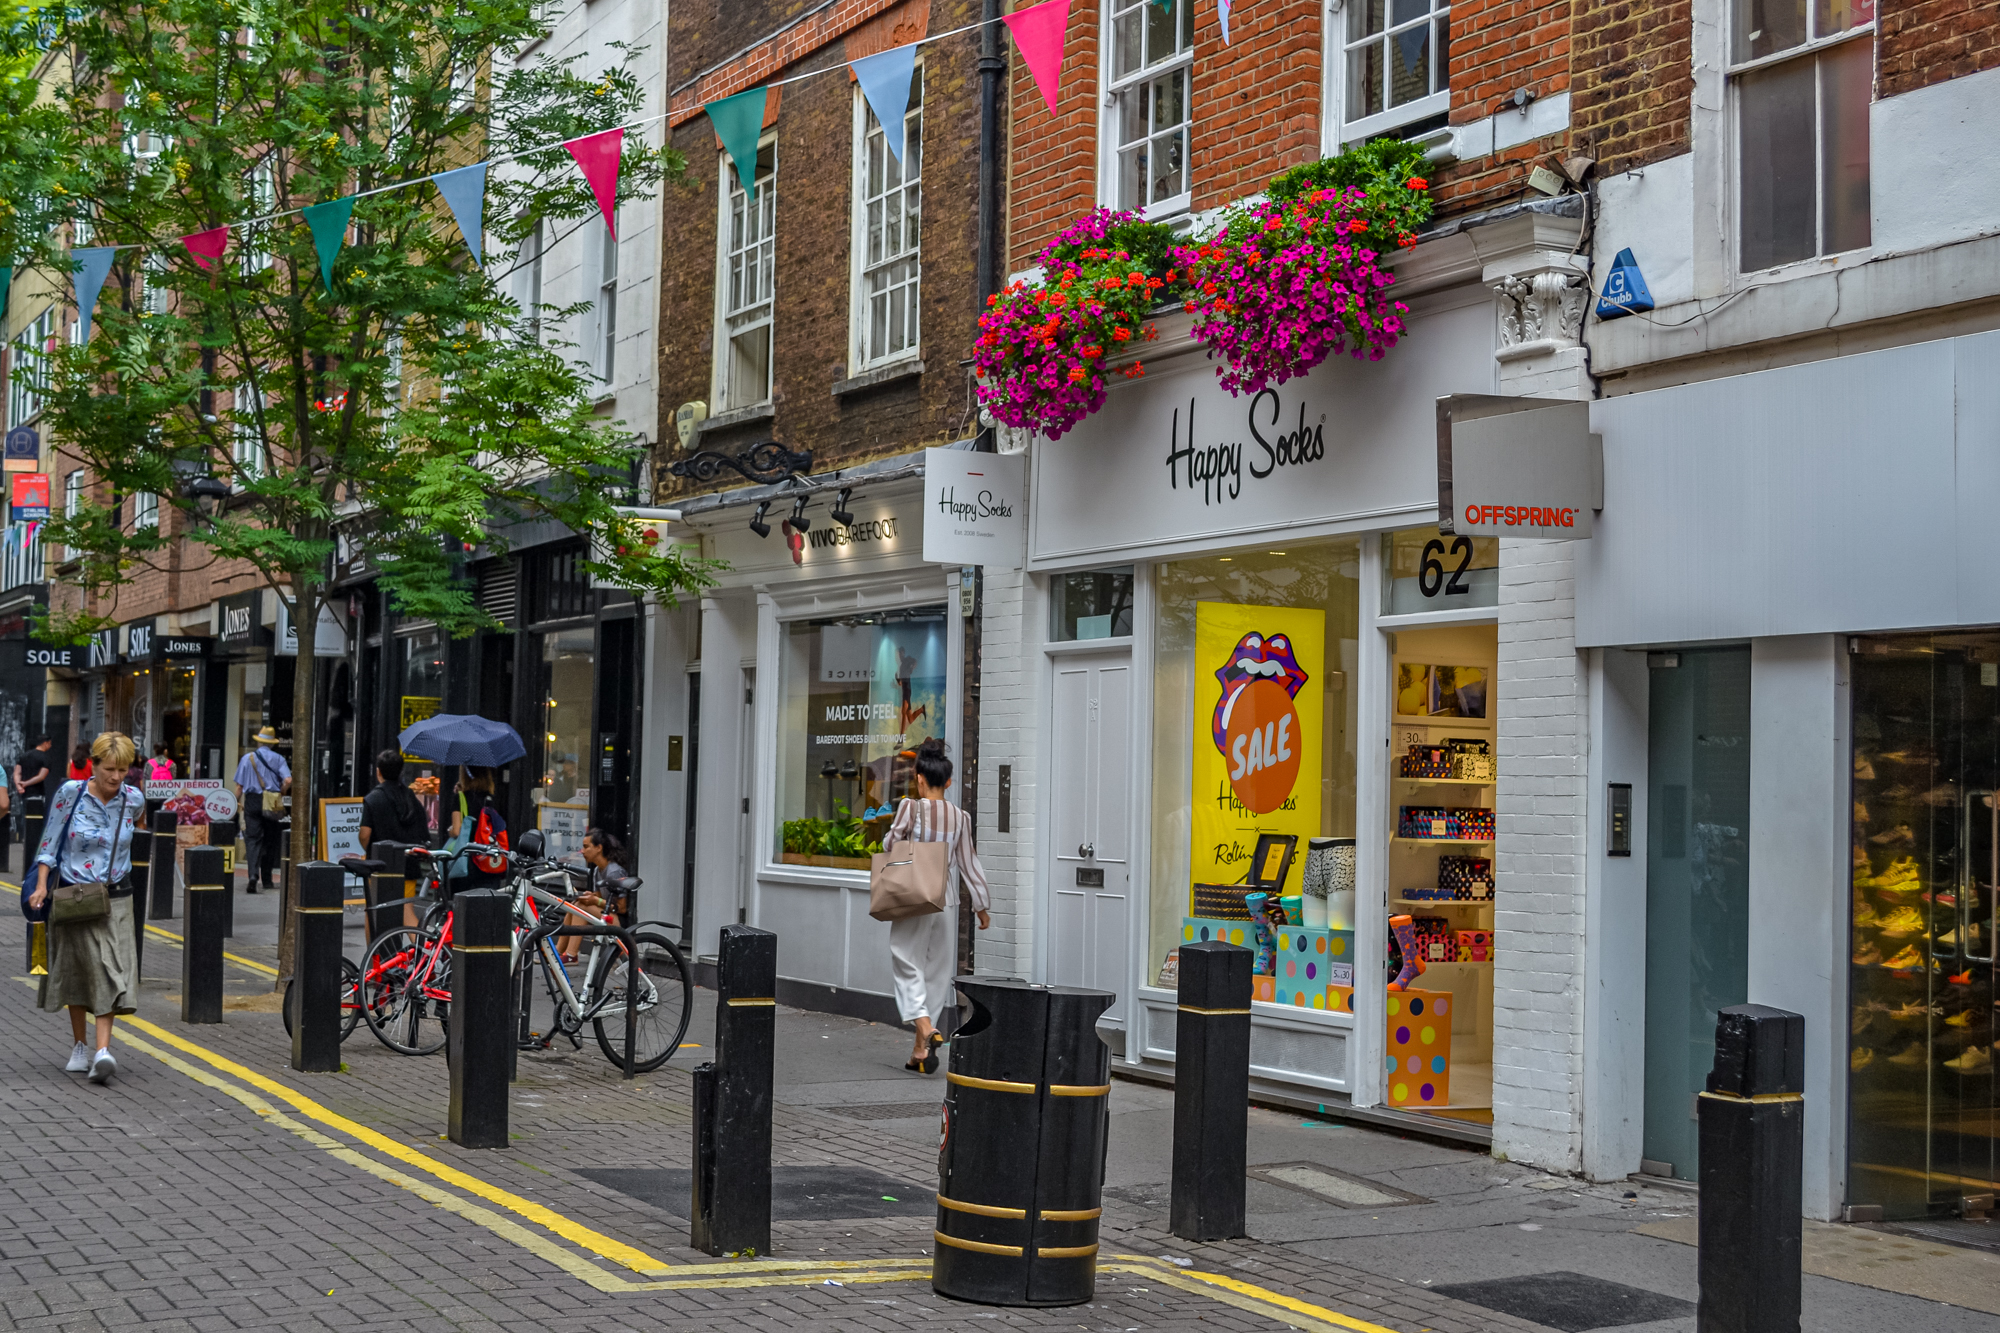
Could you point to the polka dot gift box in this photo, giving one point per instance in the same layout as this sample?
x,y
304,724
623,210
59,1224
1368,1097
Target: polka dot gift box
x,y
1419,1049
1307,960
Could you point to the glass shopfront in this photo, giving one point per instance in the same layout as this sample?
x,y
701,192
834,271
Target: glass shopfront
x,y
1254,764
860,694
1923,1129
568,681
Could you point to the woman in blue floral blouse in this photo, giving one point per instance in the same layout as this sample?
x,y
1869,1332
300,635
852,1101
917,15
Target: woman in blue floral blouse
x,y
88,840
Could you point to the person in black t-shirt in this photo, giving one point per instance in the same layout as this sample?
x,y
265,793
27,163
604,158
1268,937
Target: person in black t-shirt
x,y
31,774
390,813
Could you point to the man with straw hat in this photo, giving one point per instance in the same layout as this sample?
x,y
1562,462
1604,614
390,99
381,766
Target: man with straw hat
x,y
262,779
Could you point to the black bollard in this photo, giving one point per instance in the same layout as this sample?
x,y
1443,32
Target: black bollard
x,y
201,936
1752,1172
731,1207
1021,1160
1211,1092
386,888
481,1017
142,846
315,989
166,839
34,812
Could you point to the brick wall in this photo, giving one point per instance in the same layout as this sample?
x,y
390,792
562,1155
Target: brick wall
x,y
1634,93
1053,159
1923,42
814,129
1497,48
1539,865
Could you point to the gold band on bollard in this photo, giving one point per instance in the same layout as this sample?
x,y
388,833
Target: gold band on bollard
x,y
1066,1251
1070,1215
1190,1009
738,1004
980,1246
990,1084
1756,1098
319,911
1078,1090
983,1209
207,888
482,948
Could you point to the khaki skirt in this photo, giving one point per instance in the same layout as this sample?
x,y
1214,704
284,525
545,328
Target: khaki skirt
x,y
93,964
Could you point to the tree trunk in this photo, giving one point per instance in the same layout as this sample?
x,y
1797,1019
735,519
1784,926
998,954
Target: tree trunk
x,y
305,630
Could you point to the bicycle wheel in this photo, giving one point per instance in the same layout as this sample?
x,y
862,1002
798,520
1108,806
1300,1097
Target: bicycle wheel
x,y
403,977
350,999
666,1002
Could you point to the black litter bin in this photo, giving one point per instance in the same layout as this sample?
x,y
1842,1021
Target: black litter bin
x,y
1021,1161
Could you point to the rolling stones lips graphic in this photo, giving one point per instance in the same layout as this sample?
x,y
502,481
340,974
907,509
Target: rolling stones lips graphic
x,y
1254,658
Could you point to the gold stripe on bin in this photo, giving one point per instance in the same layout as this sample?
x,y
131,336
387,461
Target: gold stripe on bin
x,y
1011,1251
205,888
1191,1009
1066,1251
482,948
1071,1214
1079,1090
982,1209
990,1084
738,1004
319,911
1755,1098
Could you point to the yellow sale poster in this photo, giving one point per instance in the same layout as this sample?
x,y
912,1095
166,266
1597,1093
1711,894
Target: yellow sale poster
x,y
1259,690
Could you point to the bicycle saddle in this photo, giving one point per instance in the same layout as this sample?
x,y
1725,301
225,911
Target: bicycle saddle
x,y
358,865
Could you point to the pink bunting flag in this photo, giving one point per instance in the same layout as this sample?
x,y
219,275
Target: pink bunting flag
x,y
1038,31
207,246
597,156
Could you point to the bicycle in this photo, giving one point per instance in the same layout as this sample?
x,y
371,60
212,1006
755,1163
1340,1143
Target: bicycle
x,y
350,999
664,989
405,977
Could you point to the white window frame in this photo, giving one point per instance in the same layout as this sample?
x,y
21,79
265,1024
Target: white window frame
x,y
153,292
73,488
605,323
1390,119
246,441
1810,49
145,511
867,131
725,395
260,188
1108,114
27,356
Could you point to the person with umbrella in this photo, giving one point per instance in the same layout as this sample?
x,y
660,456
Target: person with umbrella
x,y
262,779
479,746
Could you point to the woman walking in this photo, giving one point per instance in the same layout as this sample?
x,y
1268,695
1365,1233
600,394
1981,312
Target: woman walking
x,y
89,842
922,949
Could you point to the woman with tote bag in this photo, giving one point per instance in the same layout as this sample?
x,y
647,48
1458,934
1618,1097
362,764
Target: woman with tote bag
x,y
82,883
922,946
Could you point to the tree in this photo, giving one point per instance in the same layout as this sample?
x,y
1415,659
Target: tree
x,y
403,403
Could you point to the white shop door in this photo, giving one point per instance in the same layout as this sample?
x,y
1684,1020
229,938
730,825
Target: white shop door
x,y
1090,800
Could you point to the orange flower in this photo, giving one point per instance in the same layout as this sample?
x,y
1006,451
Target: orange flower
x,y
1121,335
1417,183
1078,374
1356,225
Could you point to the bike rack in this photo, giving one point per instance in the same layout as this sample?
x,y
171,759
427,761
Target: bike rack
x,y
625,935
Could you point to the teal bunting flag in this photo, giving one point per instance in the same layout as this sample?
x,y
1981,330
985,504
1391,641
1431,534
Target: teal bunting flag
x,y
739,123
328,222
6,282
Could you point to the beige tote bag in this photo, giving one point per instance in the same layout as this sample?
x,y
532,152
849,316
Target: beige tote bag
x,y
908,880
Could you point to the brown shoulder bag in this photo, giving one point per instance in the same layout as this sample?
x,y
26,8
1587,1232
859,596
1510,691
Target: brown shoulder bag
x,y
908,880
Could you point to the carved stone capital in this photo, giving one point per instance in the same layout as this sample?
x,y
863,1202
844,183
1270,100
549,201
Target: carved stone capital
x,y
1541,311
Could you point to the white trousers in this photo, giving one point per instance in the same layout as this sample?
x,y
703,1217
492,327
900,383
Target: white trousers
x,y
922,951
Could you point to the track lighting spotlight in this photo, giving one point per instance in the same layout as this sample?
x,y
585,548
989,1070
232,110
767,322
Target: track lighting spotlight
x,y
798,522
841,513
757,523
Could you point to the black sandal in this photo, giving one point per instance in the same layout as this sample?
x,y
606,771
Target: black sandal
x,y
930,1061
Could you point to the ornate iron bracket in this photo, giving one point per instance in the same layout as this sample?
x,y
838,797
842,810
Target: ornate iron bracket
x,y
767,461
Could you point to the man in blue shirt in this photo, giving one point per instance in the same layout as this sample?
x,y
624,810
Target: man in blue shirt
x,y
261,770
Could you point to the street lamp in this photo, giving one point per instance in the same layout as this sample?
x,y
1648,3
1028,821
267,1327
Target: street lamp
x,y
209,495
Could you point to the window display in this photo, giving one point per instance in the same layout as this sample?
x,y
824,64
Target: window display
x,y
860,694
568,685
1442,776
1923,1108
1253,743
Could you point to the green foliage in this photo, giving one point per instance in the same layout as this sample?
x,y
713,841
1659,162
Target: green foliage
x,y
846,836
1382,169
406,415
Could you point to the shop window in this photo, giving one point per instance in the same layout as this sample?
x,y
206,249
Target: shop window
x,y
1804,80
1398,67
1442,839
568,685
1091,604
1427,570
860,694
1923,1105
560,586
889,194
422,694
1150,107
749,271
1254,757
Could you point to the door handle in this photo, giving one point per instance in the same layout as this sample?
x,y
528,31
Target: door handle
x,y
1087,851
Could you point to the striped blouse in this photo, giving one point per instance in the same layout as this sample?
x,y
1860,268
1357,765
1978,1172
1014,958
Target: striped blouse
x,y
941,821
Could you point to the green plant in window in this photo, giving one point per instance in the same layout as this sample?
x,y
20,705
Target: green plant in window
x,y
1390,173
845,836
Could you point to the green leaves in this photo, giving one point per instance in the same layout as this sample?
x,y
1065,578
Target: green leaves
x,y
396,399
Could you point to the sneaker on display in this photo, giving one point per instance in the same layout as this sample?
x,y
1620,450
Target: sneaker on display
x,y
1974,1060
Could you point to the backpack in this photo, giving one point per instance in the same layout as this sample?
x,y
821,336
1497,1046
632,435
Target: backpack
x,y
491,830
162,770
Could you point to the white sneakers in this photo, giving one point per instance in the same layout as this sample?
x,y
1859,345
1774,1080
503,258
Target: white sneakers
x,y
79,1059
103,1067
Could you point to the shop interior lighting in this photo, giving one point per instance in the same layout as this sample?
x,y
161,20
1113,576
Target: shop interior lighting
x,y
798,522
757,523
841,513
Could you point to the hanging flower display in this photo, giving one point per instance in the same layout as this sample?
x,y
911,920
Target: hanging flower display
x,y
1042,346
1288,283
